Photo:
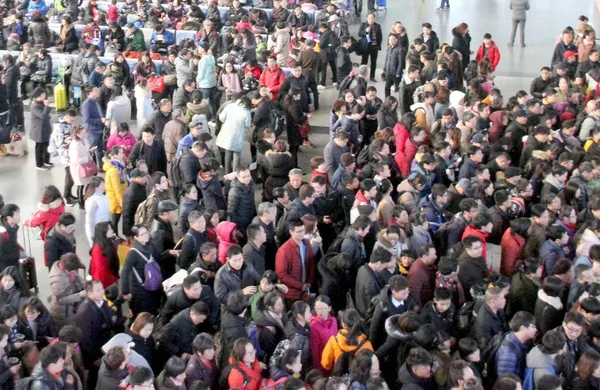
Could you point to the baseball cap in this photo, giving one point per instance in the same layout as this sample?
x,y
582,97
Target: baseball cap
x,y
521,113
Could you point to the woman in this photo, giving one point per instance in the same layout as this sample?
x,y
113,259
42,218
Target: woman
x,y
462,43
244,368
236,120
289,365
322,327
123,138
549,310
248,44
143,100
393,240
144,69
141,334
387,115
586,45
524,287
312,234
587,372
338,110
104,262
470,353
39,32
96,206
570,194
295,117
125,78
173,376
349,338
402,133
270,320
363,367
483,194
350,100
8,373
41,128
116,183
68,37
43,72
279,164
370,31
212,221
132,282
282,43
67,290
187,204
79,154
49,210
512,244
13,292
229,81
36,323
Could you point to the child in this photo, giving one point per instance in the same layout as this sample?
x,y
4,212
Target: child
x,y
405,261
268,283
250,83
261,48
317,164
253,68
97,76
115,302
113,11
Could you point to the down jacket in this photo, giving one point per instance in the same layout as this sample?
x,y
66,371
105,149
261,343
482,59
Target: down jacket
x,y
46,216
236,119
65,297
241,206
116,185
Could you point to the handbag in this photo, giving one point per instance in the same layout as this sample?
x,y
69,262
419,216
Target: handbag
x,y
88,169
39,77
170,79
305,129
156,84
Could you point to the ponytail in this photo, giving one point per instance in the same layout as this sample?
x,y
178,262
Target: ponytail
x,y
352,320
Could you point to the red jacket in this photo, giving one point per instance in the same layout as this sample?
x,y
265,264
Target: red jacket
x,y
422,281
272,79
47,216
471,231
493,54
320,332
99,268
404,160
255,72
512,247
235,380
315,174
288,267
401,134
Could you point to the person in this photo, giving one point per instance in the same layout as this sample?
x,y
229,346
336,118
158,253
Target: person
x,y
104,261
408,85
96,206
135,194
490,317
549,310
489,50
473,270
151,150
294,262
116,183
202,367
236,121
67,290
421,274
63,136
177,336
41,129
79,154
416,371
94,120
141,378
114,368
94,318
235,275
370,31
13,291
173,376
52,373
323,326
244,368
60,240
240,202
543,359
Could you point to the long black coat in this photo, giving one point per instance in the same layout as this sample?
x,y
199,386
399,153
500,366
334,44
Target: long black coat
x,y
142,300
178,301
155,156
240,204
522,294
134,195
95,324
177,337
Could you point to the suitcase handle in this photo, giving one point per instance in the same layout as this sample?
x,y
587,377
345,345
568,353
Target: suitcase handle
x,y
27,241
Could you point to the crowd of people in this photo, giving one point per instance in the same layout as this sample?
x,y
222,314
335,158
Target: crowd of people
x,y
447,237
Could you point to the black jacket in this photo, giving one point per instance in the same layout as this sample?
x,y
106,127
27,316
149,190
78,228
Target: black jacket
x,y
163,240
189,166
384,309
43,380
142,300
368,285
45,329
442,321
13,74
233,327
155,156
9,246
378,35
343,63
394,61
270,333
145,347
186,206
409,381
158,121
334,285
57,245
255,257
433,43
178,301
212,194
241,207
95,324
539,86
488,324
177,337
472,271
109,378
500,221
522,294
326,42
462,43
190,247
547,316
406,93
227,280
531,145
134,195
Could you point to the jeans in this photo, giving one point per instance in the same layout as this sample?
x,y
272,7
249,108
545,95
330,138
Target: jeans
x,y
294,151
41,154
232,161
521,24
372,52
95,139
68,184
358,6
209,93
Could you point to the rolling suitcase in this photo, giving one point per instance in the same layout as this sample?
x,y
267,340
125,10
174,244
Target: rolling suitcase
x,y
27,265
60,97
381,5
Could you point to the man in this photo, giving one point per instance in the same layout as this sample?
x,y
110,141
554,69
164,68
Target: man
x,y
134,37
472,267
474,157
60,240
183,94
266,217
93,119
254,250
510,357
296,80
206,79
272,77
489,50
498,164
544,359
293,186
141,378
433,206
347,164
176,339
539,85
13,75
107,92
134,195
190,292
519,17
294,262
421,275
516,130
62,137
572,328
565,45
468,209
190,163
408,85
302,205
51,373
371,32
490,317
587,65
241,207
149,150
499,216
162,238
310,61
343,63
173,132
162,38
41,129
206,265
591,121
430,38
193,239
329,43
235,275
298,19
394,64
94,319
10,249
440,311
196,128
368,283
160,117
183,68
334,149
537,140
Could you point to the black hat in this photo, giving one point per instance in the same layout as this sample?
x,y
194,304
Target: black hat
x,y
165,206
521,113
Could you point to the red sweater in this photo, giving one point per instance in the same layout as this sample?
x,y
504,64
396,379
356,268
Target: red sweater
x,y
99,268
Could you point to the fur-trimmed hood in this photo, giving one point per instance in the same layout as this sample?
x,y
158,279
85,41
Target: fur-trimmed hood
x,y
50,206
393,330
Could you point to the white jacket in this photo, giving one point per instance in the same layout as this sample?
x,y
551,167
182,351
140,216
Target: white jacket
x,y
236,119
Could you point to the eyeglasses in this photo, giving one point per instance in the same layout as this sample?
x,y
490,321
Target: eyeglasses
x,y
573,330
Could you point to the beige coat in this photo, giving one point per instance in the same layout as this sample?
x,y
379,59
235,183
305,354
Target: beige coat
x,y
65,297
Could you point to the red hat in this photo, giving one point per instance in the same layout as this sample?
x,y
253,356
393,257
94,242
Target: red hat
x,y
570,53
566,116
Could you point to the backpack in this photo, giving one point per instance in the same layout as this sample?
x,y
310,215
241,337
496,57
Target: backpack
x,y
175,172
224,378
277,121
142,213
342,364
152,274
375,301
254,335
528,383
336,245
348,82
281,347
271,384
490,357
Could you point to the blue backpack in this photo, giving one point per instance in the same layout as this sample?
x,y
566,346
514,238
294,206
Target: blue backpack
x,y
253,335
528,383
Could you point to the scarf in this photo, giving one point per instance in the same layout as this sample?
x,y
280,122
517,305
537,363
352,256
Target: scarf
x,y
121,169
71,274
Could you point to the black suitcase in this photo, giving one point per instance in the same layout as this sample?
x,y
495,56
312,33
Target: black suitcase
x,y
27,265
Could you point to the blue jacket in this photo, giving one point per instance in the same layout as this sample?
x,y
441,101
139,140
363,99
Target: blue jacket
x,y
207,76
96,79
168,37
185,142
349,125
433,212
511,357
40,6
550,252
92,116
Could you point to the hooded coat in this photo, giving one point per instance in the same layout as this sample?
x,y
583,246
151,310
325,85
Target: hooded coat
x,y
338,344
541,363
385,309
46,216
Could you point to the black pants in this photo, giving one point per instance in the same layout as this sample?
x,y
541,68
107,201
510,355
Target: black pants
x,y
68,184
294,151
358,6
371,5
17,119
24,81
41,154
80,194
370,52
323,76
389,81
114,221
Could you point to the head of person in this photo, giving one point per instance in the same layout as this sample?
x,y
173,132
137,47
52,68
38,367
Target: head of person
x,y
143,325
235,258
419,362
141,378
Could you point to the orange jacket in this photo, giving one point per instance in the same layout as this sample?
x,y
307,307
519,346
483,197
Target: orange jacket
x,y
338,344
236,378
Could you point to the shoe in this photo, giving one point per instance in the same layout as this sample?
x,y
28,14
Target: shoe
x,y
321,87
44,168
372,79
439,8
523,45
510,44
49,165
70,202
308,144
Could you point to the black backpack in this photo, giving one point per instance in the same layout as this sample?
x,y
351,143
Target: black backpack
x,y
175,172
489,356
277,121
342,365
336,245
224,378
347,83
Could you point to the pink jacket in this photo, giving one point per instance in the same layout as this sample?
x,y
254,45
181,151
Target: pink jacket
x,y
126,142
320,333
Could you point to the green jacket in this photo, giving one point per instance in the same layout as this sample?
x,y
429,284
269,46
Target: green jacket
x,y
138,43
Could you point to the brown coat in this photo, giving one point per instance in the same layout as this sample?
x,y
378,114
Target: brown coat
x,y
310,62
174,131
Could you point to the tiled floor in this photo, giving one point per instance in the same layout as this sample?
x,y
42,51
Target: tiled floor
x,y
20,183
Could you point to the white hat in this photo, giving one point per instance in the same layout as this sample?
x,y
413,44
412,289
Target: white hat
x,y
333,18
